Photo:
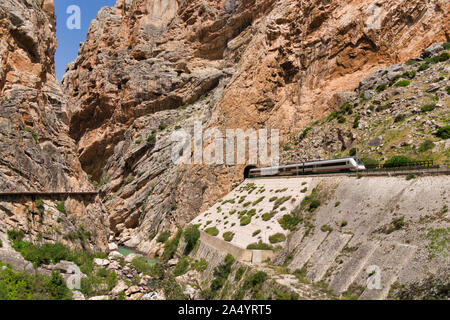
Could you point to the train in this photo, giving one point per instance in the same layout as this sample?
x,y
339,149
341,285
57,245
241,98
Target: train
x,y
347,164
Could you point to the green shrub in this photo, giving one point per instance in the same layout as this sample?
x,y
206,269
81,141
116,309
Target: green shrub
x,y
399,118
381,87
247,204
239,273
443,132
171,246
410,176
280,201
282,295
151,140
304,133
258,201
152,235
343,223
157,270
163,236
255,280
162,126
26,286
315,203
370,162
356,122
409,74
426,145
181,267
411,62
439,58
172,289
245,220
341,119
289,222
326,228
99,283
428,107
268,215
38,255
200,265
352,152
403,83
332,115
255,233
277,237
259,246
61,206
424,66
447,46
221,273
191,236
228,236
396,224
397,161
40,205
141,265
212,231
346,109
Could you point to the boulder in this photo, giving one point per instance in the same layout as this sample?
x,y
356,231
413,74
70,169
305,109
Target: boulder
x,y
131,290
172,262
112,247
77,295
115,255
121,286
101,262
99,298
131,256
432,50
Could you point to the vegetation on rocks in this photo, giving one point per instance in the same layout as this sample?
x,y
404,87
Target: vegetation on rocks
x,y
16,285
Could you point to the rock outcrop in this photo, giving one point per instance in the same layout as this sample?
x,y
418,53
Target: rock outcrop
x,y
36,152
241,64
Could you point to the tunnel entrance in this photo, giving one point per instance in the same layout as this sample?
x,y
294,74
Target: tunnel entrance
x,y
247,171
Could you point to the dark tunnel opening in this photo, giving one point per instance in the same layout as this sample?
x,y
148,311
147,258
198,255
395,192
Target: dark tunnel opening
x,y
247,171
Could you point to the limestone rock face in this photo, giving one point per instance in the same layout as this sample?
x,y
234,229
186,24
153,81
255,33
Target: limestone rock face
x,y
36,152
231,64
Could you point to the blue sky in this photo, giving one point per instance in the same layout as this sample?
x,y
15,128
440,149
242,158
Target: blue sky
x,y
69,40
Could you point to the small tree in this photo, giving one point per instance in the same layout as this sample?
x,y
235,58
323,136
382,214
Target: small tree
x,y
191,236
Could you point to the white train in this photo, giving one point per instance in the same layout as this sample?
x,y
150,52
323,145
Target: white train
x,y
318,166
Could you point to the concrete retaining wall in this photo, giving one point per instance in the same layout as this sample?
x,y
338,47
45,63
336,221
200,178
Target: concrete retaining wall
x,y
240,254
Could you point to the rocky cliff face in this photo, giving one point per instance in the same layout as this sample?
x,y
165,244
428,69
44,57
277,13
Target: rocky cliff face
x,y
150,67
36,152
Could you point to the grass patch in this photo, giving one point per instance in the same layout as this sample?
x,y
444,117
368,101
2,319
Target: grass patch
x,y
228,236
259,246
403,83
212,231
277,237
439,242
428,107
245,220
163,236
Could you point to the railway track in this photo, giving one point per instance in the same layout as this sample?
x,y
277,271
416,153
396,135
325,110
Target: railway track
x,y
370,173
